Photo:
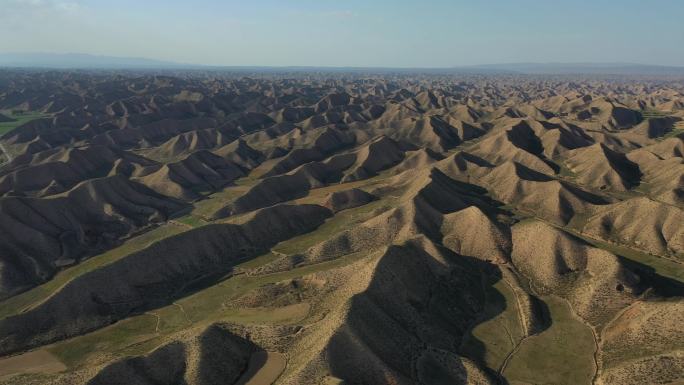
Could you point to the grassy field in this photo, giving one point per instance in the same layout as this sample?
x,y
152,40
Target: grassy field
x,y
492,340
128,333
207,207
565,172
265,315
662,266
142,333
20,119
192,221
38,360
562,354
340,222
34,296
209,305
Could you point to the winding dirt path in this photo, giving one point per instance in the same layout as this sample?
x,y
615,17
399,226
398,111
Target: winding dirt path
x,y
513,352
182,309
521,321
510,356
155,315
597,351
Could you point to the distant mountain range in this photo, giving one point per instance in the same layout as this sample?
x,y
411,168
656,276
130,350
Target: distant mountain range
x,y
80,61
86,61
581,68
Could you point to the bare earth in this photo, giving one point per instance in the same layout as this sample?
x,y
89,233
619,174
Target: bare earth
x,y
38,361
258,228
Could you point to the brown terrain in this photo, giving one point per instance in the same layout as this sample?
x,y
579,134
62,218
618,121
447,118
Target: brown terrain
x,y
216,228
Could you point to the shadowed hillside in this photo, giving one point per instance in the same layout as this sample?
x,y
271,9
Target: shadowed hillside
x,y
209,227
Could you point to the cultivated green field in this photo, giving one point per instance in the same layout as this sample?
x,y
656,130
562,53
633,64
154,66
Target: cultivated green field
x,y
665,267
192,221
493,339
562,354
19,120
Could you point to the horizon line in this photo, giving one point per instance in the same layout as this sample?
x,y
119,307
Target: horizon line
x,y
171,63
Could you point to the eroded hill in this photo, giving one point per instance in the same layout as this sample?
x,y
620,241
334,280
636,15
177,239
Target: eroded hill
x,y
220,229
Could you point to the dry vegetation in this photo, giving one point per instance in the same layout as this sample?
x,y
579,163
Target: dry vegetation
x,y
340,228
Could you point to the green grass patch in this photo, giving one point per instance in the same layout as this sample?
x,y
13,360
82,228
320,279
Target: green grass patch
x,y
340,222
256,262
192,221
123,334
18,303
562,354
19,119
205,208
565,171
208,305
141,334
579,220
492,340
268,315
662,266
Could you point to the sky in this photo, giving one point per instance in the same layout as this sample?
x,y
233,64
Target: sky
x,y
357,33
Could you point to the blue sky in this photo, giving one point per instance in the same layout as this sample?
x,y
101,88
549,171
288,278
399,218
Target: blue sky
x,y
437,33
